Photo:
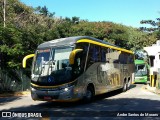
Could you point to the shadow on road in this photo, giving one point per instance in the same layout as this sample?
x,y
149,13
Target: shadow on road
x,y
5,100
133,86
102,107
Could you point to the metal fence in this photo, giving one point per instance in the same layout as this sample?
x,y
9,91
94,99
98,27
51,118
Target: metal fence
x,y
13,80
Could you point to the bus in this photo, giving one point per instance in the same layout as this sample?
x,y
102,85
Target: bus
x,y
141,71
80,67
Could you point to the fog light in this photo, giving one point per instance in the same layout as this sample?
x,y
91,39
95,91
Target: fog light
x,y
32,89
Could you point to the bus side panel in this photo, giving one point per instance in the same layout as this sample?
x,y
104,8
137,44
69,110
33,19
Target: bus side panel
x,y
104,76
95,77
111,77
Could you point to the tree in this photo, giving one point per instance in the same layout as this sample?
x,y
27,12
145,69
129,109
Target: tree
x,y
28,27
155,29
44,11
11,47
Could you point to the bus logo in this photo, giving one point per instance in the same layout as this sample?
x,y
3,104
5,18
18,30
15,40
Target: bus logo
x,y
49,80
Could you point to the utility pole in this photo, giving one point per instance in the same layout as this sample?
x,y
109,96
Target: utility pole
x,y
4,12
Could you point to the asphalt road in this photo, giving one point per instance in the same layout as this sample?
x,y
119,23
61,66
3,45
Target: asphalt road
x,y
132,104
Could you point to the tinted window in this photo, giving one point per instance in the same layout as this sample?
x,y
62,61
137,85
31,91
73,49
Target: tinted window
x,y
103,54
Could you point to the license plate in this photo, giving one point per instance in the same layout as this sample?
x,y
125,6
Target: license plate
x,y
47,98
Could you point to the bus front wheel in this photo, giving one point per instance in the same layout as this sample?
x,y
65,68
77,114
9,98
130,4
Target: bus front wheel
x,y
89,94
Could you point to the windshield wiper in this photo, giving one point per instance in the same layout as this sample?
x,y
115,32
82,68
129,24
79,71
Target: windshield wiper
x,y
50,62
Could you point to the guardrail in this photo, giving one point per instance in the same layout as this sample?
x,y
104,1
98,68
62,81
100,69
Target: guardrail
x,y
13,80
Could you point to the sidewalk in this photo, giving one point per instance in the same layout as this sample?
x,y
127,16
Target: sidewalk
x,y
7,94
152,89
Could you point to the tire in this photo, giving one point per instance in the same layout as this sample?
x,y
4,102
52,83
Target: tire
x,y
128,84
89,95
124,89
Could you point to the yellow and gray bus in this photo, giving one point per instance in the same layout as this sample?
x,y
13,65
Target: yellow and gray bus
x,y
79,67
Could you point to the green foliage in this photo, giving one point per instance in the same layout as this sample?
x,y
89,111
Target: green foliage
x,y
11,45
154,30
98,30
44,11
27,27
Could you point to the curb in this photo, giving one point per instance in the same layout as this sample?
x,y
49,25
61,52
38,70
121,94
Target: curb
x,y
151,89
24,93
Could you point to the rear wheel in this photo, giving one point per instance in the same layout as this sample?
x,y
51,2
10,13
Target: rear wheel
x,y
124,89
128,84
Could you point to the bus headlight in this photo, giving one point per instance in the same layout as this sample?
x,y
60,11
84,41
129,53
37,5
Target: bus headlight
x,y
66,89
32,89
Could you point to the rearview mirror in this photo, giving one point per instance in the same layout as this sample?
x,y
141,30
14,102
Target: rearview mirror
x,y
73,54
25,59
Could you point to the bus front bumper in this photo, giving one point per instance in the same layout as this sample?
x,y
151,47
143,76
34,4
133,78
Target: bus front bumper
x,y
140,80
66,94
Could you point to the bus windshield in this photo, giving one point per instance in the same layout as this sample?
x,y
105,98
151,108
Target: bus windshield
x,y
141,70
42,56
48,61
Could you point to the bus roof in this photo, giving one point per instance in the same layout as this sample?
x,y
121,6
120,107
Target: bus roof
x,y
71,40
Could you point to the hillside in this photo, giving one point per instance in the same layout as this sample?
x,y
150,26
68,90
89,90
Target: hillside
x,y
26,27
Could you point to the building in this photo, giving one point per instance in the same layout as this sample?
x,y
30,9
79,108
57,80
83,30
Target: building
x,y
154,62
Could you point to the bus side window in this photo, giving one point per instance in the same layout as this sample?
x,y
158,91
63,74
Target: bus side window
x,y
103,54
131,59
92,56
121,58
81,57
116,56
126,58
98,48
95,53
83,46
107,55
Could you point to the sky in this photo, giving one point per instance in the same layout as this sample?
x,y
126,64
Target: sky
x,y
126,12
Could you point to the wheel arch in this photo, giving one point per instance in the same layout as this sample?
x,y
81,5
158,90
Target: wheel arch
x,y
91,85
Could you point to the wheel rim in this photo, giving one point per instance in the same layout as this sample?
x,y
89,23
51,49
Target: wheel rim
x,y
128,84
89,94
125,87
